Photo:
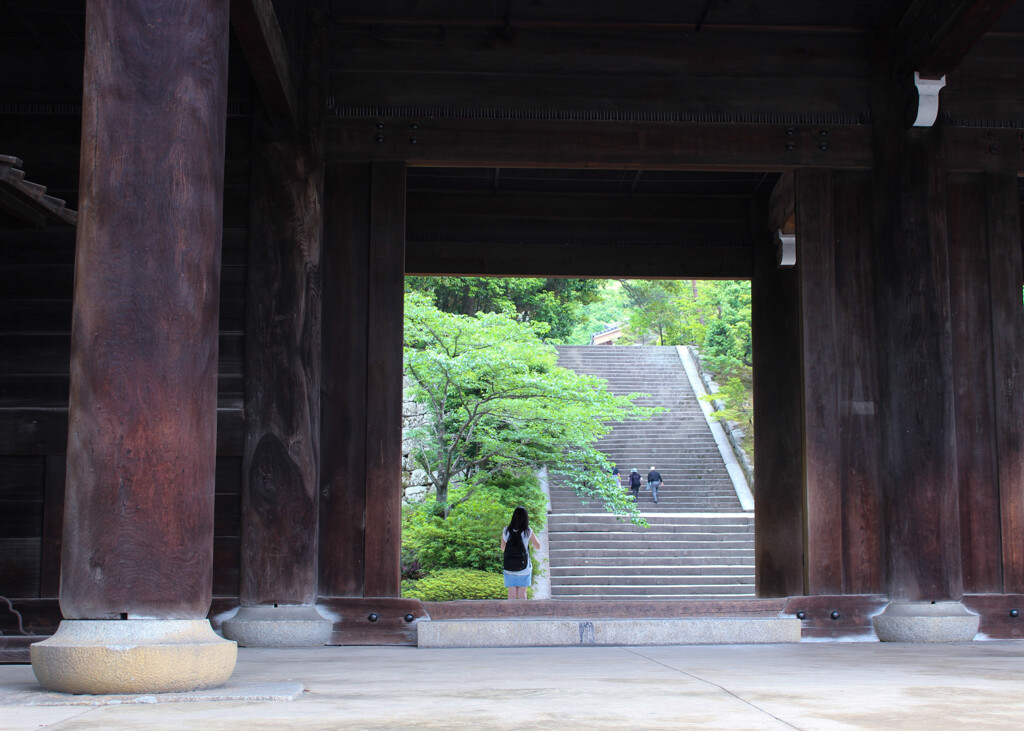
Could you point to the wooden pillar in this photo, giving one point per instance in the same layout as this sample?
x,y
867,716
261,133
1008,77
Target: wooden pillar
x,y
138,533
364,240
916,409
839,385
282,371
778,487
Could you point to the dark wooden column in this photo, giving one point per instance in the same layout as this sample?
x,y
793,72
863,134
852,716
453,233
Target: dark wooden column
x,y
916,408
778,487
138,528
282,370
360,512
839,383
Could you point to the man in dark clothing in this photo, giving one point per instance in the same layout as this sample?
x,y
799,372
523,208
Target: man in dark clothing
x,y
654,482
634,483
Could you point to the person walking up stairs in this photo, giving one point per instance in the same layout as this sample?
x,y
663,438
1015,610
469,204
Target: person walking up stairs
x,y
700,542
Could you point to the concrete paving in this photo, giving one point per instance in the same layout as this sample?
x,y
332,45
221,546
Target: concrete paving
x,y
804,686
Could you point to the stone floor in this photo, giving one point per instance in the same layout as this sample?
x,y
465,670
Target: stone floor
x,y
804,686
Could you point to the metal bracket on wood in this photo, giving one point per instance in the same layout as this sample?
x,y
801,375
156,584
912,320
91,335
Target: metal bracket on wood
x,y
927,99
786,244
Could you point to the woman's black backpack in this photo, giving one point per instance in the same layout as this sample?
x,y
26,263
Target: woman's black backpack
x,y
516,555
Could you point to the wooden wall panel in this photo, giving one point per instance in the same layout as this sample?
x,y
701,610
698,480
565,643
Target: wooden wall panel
x,y
977,468
1004,240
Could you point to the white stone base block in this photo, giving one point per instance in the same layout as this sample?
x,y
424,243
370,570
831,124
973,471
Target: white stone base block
x,y
615,632
926,622
287,626
133,656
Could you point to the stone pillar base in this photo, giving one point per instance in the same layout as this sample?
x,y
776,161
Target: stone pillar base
x,y
102,656
287,626
926,622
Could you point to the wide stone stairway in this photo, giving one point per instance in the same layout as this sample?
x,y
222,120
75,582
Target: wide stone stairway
x,y
700,543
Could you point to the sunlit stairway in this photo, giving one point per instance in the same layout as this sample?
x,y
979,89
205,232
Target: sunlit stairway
x,y
700,543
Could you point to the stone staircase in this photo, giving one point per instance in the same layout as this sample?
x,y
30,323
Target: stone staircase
x,y
700,544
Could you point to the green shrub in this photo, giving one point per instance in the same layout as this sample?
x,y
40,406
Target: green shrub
x,y
451,584
469,537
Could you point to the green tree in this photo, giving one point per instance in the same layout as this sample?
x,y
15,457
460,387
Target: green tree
x,y
496,401
558,302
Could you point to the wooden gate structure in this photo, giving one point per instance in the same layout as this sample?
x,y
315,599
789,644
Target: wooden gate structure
x,y
200,342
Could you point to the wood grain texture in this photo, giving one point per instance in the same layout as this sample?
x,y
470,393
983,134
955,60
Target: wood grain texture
x,y
778,480
1004,243
857,456
385,323
604,609
53,526
352,624
142,423
854,615
977,468
539,143
582,260
816,266
282,371
343,383
916,417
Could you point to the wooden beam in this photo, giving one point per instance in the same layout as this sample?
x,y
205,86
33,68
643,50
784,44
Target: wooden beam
x,y
595,261
459,142
264,47
460,216
937,34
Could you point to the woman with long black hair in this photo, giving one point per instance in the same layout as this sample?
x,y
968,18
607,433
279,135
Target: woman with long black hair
x,y
518,569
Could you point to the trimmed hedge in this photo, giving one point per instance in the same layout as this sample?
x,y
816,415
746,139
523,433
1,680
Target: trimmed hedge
x,y
450,584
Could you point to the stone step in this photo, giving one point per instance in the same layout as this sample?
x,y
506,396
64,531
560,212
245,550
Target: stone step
x,y
622,592
577,555
654,571
605,632
681,580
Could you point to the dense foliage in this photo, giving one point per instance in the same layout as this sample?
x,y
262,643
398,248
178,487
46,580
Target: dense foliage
x,y
558,302
451,584
469,537
497,402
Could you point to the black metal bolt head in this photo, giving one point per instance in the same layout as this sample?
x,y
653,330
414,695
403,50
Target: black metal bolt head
x,y
414,125
373,617
790,147
1014,613
835,615
379,138
823,146
413,140
790,132
380,125
801,615
408,618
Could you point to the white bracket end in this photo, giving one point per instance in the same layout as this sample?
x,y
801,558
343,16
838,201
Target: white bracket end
x,y
787,248
927,99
